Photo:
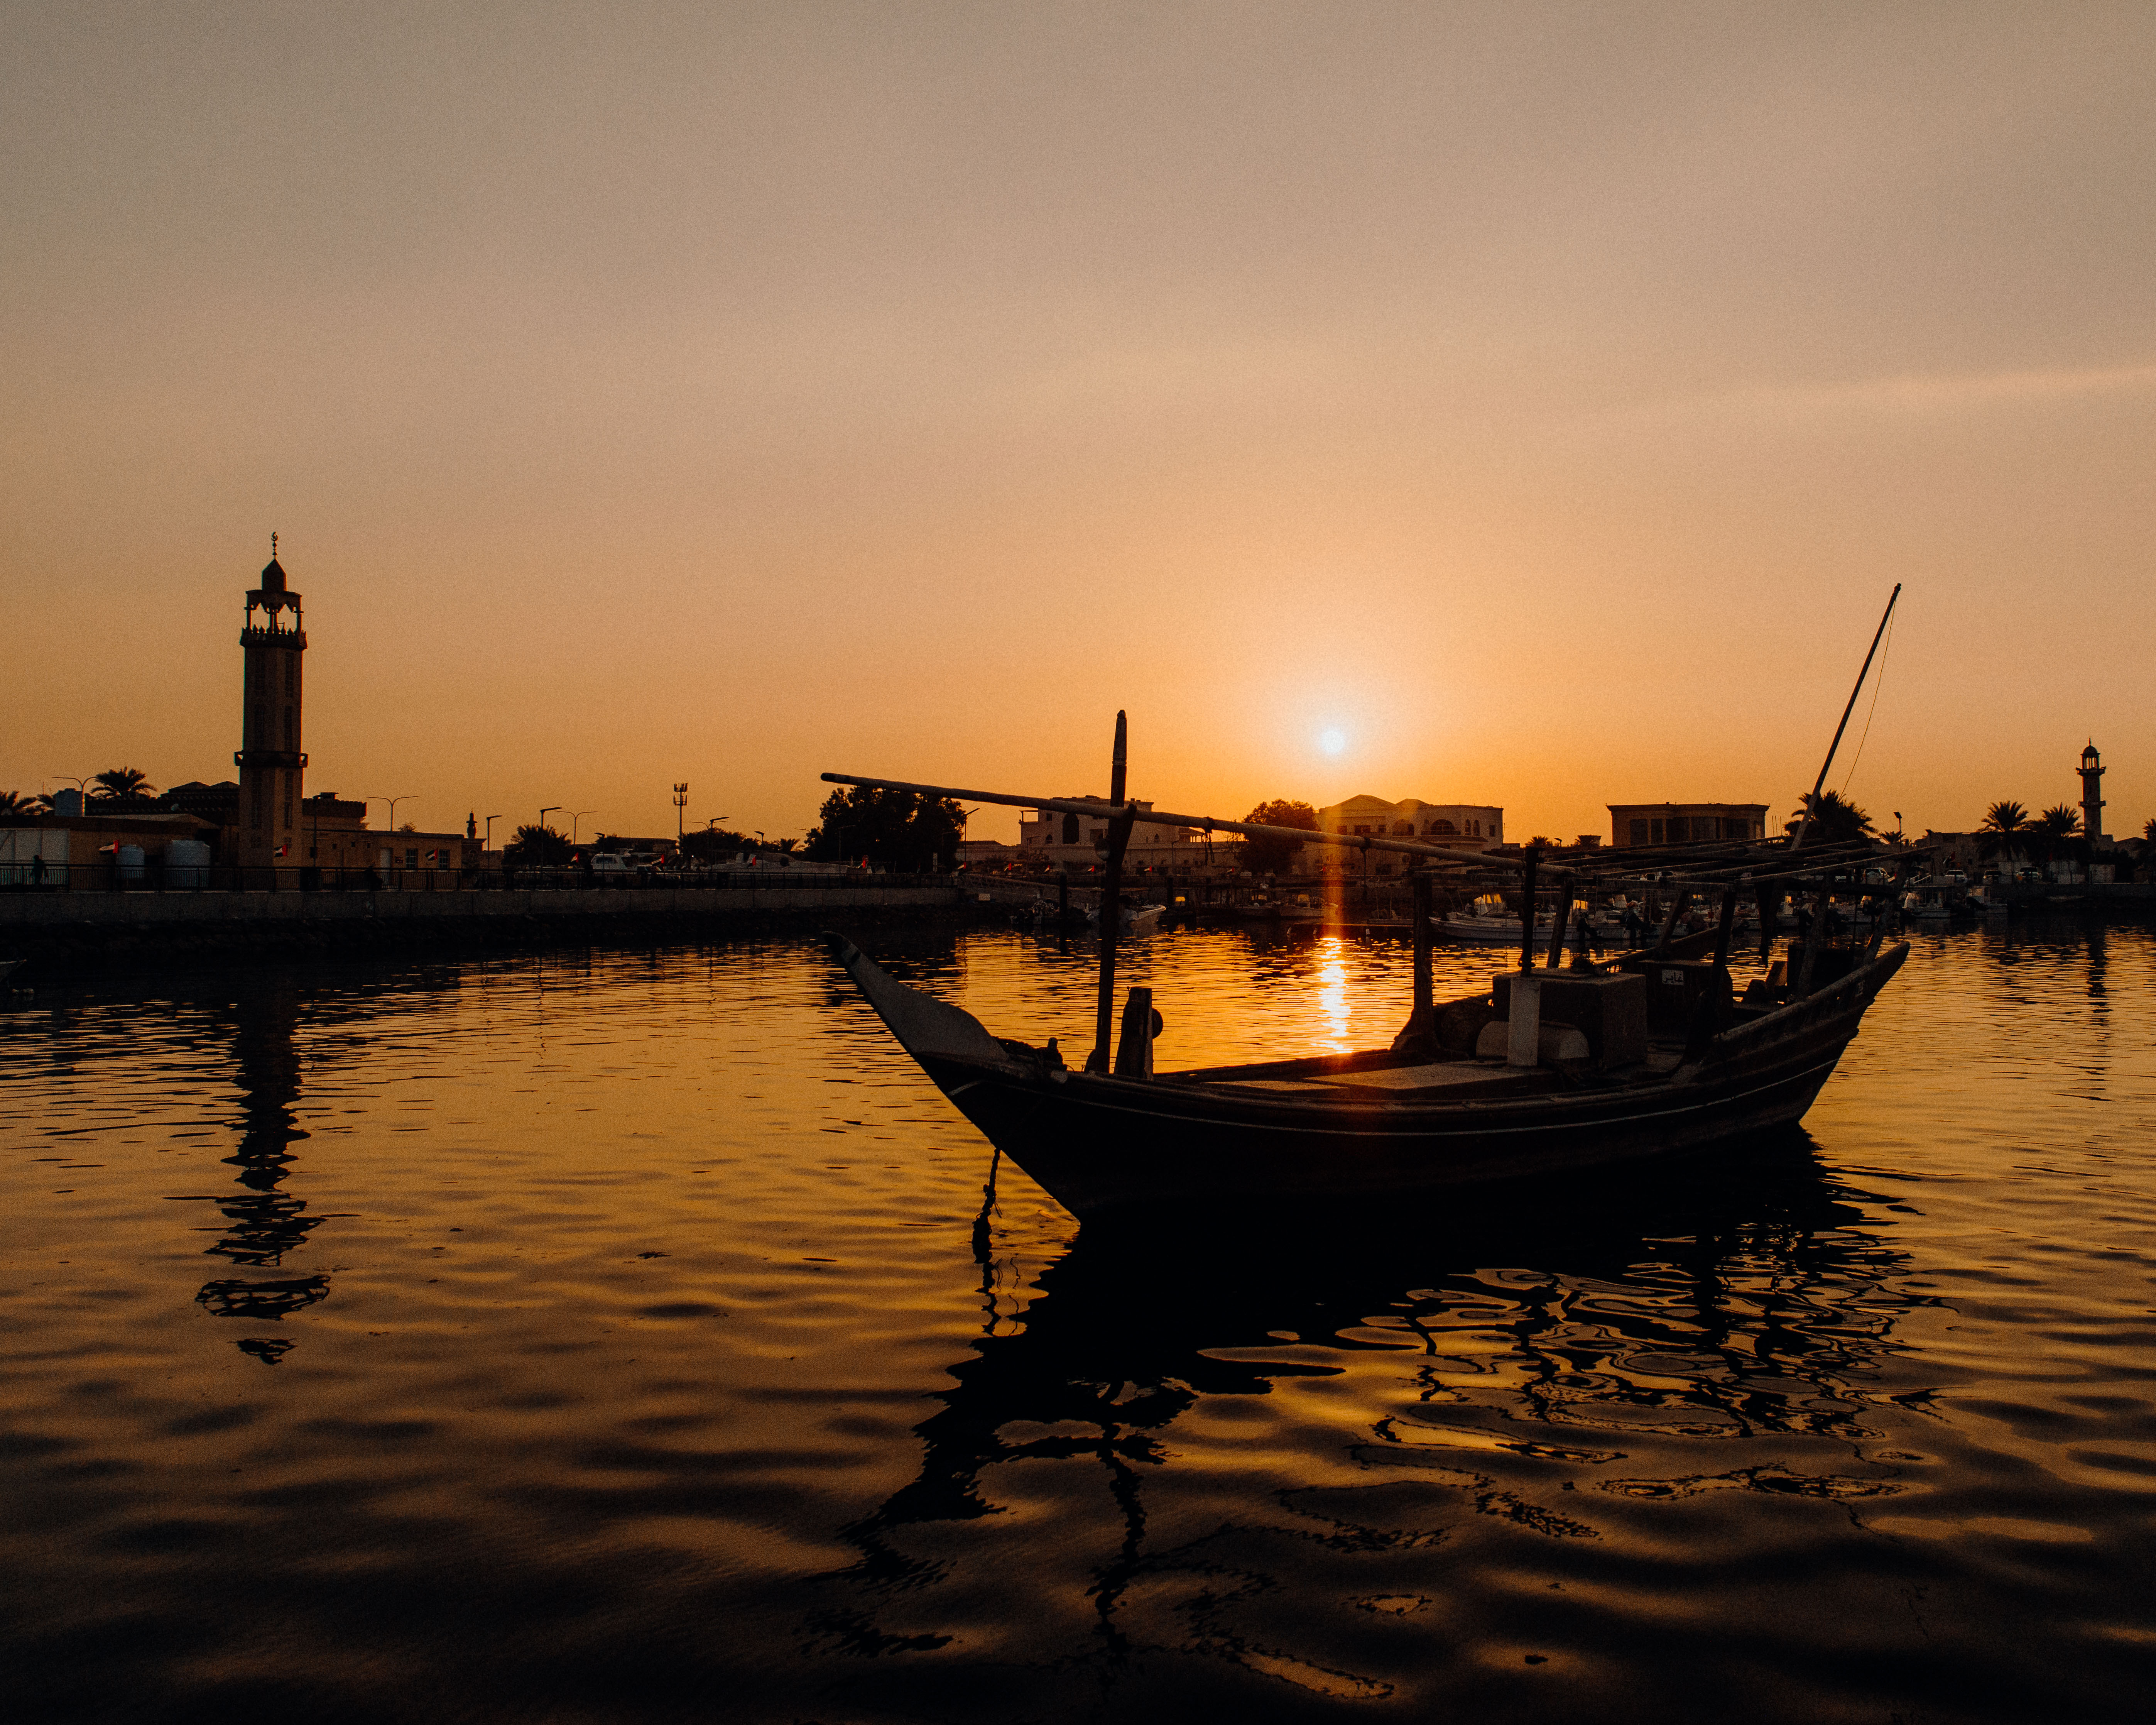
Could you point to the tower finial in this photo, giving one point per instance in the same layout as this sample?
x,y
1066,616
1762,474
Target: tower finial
x,y
273,547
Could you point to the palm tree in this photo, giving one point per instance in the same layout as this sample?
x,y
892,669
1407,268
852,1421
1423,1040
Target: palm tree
x,y
536,845
2058,830
1831,819
118,784
2005,826
15,803
2148,831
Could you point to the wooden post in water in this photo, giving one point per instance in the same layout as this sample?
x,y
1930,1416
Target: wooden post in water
x,y
1532,857
1814,939
1425,997
1111,904
1728,929
1769,900
1670,922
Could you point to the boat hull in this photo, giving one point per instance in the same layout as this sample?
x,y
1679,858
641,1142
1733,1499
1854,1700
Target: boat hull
x,y
1099,1144
1094,1148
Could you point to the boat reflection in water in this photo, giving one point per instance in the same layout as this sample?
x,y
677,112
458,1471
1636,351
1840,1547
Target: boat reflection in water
x,y
1138,1455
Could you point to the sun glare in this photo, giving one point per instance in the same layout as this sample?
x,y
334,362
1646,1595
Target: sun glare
x,y
1333,742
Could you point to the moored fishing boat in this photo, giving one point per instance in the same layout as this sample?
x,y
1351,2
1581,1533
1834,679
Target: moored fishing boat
x,y
1549,1071
1445,1105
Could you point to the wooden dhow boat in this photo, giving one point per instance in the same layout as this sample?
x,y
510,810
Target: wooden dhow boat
x,y
1552,1071
1465,1094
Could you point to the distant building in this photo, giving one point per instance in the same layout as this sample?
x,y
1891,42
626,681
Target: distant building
x,y
334,835
1685,823
38,850
217,803
1056,839
1466,826
1459,826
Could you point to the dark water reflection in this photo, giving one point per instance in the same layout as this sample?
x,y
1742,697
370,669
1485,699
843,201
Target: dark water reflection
x,y
642,1350
263,1223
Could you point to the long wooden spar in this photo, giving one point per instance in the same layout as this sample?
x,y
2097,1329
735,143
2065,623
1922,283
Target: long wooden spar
x,y
1205,823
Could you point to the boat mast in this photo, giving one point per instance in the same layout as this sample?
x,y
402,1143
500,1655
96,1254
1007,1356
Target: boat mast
x,y
1812,803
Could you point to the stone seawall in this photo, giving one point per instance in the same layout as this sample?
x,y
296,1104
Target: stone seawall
x,y
65,933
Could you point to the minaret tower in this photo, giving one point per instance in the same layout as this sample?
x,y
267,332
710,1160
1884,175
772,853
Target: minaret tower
x,y
2091,803
270,760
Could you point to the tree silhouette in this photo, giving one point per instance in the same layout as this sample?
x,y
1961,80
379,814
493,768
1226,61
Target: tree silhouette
x,y
715,844
2057,831
15,803
535,845
2004,830
906,830
1269,856
1832,819
119,784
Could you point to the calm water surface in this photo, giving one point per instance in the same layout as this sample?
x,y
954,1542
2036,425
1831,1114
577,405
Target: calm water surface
x,y
621,1338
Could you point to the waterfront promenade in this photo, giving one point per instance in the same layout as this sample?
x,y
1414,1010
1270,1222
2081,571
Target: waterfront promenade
x,y
130,925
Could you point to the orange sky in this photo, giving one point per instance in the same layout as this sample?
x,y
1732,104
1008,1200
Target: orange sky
x,y
1545,398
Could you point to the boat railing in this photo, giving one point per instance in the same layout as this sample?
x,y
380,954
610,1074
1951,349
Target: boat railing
x,y
1820,1002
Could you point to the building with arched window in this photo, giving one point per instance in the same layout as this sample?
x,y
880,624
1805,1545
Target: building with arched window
x,y
1458,826
1058,839
1466,826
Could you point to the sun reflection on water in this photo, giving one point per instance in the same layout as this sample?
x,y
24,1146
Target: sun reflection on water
x,y
1332,993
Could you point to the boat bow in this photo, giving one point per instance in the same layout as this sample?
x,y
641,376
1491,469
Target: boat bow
x,y
932,1031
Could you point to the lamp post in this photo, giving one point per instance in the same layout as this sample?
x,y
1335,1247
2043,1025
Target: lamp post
x,y
487,843
393,802
550,808
680,804
576,816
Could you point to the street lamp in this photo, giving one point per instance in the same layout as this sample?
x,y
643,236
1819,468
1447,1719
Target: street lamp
x,y
576,816
550,808
681,804
393,802
487,843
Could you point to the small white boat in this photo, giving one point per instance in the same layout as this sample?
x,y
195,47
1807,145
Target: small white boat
x,y
1137,919
1486,931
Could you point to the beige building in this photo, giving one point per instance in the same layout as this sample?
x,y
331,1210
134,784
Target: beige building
x,y
77,849
1459,826
334,835
1466,826
1053,838
1685,823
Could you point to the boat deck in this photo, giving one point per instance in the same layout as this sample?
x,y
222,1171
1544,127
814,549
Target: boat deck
x,y
1382,1076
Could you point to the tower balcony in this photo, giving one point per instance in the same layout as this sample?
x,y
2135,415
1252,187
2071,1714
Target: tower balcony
x,y
269,758
257,634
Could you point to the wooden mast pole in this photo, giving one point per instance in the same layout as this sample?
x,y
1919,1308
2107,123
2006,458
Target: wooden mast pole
x,y
1111,903
1805,825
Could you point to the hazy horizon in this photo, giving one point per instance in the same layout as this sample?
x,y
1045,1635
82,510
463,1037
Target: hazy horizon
x,y
1545,398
